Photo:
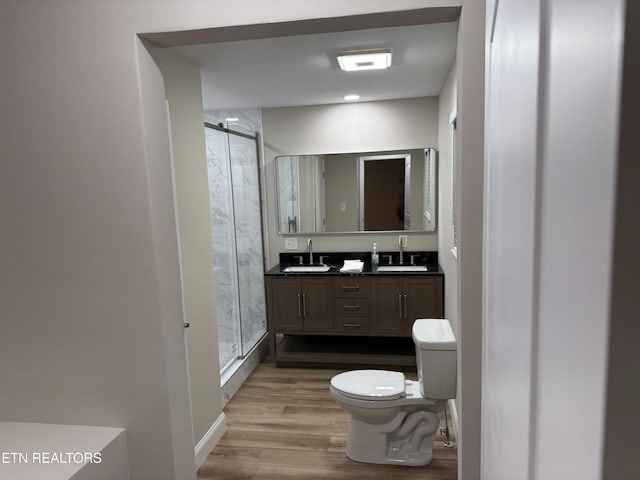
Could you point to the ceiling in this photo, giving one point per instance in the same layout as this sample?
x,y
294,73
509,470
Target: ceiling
x,y
302,69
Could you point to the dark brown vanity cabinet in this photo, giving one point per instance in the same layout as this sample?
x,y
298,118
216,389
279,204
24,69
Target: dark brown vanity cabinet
x,y
349,320
302,304
396,302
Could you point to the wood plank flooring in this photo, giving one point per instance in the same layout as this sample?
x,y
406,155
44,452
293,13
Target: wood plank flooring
x,y
283,424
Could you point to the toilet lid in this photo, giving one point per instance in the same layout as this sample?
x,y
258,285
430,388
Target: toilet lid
x,y
370,384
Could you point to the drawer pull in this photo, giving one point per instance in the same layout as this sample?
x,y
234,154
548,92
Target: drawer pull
x,y
350,288
351,308
351,325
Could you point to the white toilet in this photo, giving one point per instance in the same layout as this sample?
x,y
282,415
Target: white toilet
x,y
394,420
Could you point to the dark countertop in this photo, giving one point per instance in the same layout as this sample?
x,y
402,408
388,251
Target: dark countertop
x,y
336,259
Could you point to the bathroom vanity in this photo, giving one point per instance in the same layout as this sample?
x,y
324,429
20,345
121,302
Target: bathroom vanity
x,y
332,318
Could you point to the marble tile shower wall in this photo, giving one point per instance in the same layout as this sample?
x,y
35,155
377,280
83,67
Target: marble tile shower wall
x,y
249,120
234,194
287,194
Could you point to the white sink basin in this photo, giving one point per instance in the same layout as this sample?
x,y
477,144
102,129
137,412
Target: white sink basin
x,y
307,269
402,268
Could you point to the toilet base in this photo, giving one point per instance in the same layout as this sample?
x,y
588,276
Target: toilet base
x,y
406,440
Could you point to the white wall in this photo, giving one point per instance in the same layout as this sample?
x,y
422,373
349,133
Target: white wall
x,y
341,174
354,127
510,235
470,129
449,264
165,245
579,158
446,105
92,332
553,108
183,91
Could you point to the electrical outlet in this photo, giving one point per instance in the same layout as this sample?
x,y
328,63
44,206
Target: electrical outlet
x,y
404,241
291,243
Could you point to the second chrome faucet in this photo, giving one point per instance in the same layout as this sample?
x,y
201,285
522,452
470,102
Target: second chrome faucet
x,y
310,247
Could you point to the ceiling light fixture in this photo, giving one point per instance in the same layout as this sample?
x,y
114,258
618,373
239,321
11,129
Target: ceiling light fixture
x,y
232,119
369,59
352,96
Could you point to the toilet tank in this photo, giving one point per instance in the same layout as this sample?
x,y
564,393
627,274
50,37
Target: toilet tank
x,y
436,357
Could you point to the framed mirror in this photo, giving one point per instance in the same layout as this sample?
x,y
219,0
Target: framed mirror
x,y
384,191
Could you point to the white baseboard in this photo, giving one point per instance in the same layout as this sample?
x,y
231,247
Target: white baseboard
x,y
210,439
454,416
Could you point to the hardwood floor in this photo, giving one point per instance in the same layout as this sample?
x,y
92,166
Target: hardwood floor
x,y
283,424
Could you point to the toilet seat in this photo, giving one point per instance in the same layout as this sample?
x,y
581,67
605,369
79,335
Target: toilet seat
x,y
370,384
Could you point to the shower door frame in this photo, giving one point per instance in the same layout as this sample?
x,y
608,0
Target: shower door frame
x,y
239,335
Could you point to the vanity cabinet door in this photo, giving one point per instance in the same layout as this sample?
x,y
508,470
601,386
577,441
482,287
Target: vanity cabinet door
x,y
317,304
398,301
422,299
387,306
286,298
302,305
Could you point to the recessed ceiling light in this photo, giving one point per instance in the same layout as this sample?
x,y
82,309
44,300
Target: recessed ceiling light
x,y
352,96
369,59
231,119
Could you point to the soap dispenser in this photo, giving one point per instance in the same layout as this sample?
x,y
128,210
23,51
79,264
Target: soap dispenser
x,y
374,256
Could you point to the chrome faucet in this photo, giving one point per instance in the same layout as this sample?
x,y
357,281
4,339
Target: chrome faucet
x,y
309,246
400,248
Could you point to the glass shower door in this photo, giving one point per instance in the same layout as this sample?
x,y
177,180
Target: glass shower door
x,y
234,196
248,234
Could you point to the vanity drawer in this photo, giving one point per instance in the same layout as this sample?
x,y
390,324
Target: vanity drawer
x,y
351,324
352,286
352,306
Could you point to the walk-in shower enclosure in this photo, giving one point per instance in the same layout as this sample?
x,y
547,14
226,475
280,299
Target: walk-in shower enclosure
x,y
238,258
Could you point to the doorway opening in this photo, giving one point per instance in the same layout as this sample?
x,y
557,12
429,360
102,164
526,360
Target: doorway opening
x,y
385,192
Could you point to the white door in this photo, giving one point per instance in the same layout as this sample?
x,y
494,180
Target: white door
x,y
551,152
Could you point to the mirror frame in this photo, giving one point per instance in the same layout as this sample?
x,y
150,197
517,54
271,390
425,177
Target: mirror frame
x,y
430,195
